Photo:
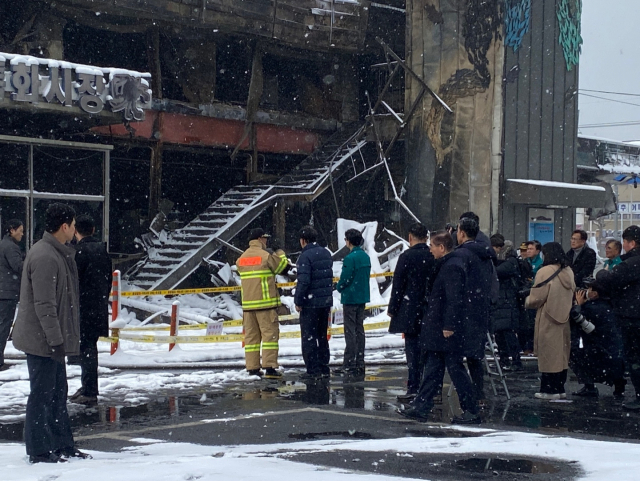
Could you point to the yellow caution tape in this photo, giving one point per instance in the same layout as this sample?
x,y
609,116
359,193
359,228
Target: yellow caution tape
x,y
233,323
178,292
108,339
211,290
223,337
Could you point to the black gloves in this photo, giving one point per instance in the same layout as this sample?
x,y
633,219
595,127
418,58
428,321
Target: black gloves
x,y
57,353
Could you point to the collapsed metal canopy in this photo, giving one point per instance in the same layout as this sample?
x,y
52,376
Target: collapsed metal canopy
x,y
553,194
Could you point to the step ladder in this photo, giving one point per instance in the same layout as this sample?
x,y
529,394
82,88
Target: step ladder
x,y
497,373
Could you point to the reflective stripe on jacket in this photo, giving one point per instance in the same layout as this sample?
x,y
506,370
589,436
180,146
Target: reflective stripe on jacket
x,y
258,269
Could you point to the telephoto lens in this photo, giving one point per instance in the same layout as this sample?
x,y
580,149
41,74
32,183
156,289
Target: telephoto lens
x,y
582,322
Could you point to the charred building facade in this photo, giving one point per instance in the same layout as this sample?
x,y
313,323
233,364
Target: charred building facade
x,y
284,112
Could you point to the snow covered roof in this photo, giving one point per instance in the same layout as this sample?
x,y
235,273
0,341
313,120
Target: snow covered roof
x,y
565,185
557,195
620,169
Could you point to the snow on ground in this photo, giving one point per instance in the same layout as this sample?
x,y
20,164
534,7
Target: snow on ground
x,y
134,388
154,460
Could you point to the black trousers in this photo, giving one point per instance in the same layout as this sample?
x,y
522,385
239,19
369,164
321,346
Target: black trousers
x,y
353,336
631,338
89,366
508,347
47,425
595,366
553,382
7,311
415,362
315,346
434,365
527,329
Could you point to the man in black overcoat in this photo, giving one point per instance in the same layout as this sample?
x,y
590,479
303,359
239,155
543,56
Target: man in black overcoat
x,y
623,287
442,336
94,274
408,300
481,285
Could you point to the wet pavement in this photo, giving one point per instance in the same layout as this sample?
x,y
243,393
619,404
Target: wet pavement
x,y
444,467
288,410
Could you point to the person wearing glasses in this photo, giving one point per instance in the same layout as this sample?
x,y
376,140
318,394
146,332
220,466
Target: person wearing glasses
x,y
582,258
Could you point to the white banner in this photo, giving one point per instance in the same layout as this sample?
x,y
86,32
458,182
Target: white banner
x,y
629,207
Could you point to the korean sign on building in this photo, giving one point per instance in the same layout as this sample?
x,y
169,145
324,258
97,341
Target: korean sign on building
x,y
629,207
33,80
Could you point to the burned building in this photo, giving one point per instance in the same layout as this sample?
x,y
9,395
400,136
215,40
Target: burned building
x,y
284,112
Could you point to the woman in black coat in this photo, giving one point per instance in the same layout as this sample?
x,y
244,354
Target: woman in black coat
x,y
505,313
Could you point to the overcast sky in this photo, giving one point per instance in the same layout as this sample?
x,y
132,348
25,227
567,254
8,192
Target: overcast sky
x,y
610,62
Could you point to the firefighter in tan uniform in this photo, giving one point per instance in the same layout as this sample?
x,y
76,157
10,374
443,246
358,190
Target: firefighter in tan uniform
x,y
258,268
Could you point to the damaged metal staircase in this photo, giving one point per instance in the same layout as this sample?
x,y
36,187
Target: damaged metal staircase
x,y
172,261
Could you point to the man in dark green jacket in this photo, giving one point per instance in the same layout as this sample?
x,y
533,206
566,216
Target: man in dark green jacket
x,y
354,290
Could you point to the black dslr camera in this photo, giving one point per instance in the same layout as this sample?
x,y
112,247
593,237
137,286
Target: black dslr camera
x,y
451,228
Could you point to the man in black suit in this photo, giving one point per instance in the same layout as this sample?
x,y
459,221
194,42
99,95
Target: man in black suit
x,y
408,301
582,258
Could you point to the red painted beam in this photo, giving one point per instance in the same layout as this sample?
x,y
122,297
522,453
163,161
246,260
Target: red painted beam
x,y
223,133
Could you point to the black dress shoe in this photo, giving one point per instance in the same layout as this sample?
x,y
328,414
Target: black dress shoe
x,y
46,458
86,400
413,413
410,396
78,393
586,391
618,388
71,453
466,418
305,376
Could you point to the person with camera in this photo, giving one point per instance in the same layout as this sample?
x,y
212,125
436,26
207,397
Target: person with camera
x,y
599,357
623,286
552,295
505,313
